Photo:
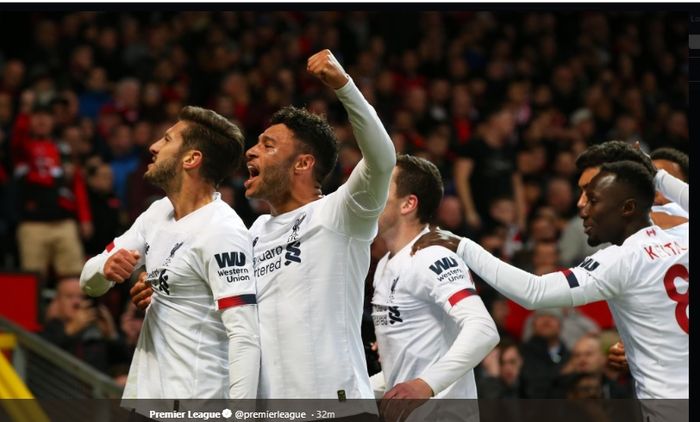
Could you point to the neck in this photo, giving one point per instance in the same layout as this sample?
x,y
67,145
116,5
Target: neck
x,y
297,197
401,234
633,227
191,196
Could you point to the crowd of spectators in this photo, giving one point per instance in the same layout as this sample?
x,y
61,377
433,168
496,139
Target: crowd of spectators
x,y
501,102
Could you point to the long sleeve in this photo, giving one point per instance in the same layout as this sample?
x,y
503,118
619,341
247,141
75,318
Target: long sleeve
x,y
242,329
673,188
572,287
477,337
369,181
92,278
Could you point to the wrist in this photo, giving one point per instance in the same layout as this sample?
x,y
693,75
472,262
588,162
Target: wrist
x,y
426,387
343,86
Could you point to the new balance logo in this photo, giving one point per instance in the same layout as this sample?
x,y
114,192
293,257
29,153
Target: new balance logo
x,y
589,264
159,281
293,253
442,264
230,259
394,315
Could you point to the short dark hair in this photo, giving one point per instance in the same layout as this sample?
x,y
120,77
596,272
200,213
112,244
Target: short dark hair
x,y
611,151
636,177
220,141
315,135
674,156
418,176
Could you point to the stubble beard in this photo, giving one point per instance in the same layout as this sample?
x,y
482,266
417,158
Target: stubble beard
x,y
164,175
275,185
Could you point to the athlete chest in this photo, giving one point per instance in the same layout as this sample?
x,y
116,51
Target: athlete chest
x,y
283,247
168,259
397,298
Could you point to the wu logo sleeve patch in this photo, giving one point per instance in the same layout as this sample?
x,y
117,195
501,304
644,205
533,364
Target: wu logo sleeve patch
x,y
230,259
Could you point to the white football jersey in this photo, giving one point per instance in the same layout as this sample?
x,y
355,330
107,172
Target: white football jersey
x,y
670,208
310,265
194,264
645,282
410,310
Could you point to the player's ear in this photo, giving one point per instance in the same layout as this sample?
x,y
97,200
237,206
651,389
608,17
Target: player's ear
x,y
192,159
409,204
629,207
304,162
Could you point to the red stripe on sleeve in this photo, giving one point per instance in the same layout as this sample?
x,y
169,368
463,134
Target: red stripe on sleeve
x,y
233,301
109,247
462,294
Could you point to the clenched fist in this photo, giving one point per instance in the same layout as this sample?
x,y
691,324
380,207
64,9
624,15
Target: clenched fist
x,y
616,357
325,67
141,292
120,265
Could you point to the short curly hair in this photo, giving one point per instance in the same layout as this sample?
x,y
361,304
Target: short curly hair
x,y
315,135
674,156
612,151
636,177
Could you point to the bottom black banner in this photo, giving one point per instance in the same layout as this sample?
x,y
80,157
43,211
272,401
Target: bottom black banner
x,y
347,410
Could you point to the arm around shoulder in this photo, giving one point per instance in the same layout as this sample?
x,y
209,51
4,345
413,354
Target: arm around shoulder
x,y
477,337
673,188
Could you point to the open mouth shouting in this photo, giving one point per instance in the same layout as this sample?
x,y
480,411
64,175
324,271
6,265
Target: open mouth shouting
x,y
254,173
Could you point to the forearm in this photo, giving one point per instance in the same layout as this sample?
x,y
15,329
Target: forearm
x,y
464,193
477,337
241,324
529,290
673,188
372,139
92,278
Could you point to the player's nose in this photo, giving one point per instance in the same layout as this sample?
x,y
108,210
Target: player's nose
x,y
251,153
155,147
582,200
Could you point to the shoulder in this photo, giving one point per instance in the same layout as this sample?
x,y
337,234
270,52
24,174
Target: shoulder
x,y
435,260
608,257
259,223
222,220
159,206
432,252
157,211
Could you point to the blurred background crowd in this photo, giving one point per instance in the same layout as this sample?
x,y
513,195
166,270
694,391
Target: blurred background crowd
x,y
501,102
